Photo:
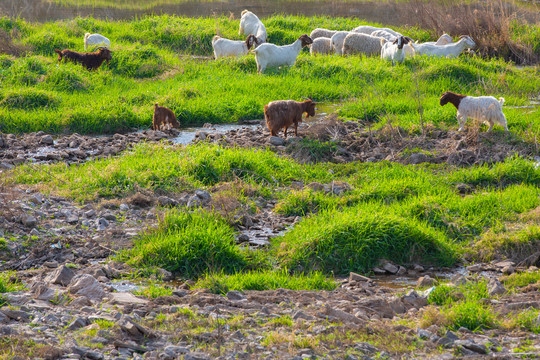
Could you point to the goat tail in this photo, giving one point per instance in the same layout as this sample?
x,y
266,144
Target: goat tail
x,y
215,38
243,12
501,101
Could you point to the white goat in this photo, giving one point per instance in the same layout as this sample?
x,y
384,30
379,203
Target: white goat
x,y
318,32
384,34
251,25
449,50
357,43
368,30
225,47
321,45
270,55
484,108
96,40
337,41
394,50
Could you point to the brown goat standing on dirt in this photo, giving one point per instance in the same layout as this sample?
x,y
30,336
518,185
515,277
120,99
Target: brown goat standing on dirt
x,y
163,117
91,60
284,113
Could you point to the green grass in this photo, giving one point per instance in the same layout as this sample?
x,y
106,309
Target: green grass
x,y
265,280
9,283
190,244
517,280
472,315
153,291
147,68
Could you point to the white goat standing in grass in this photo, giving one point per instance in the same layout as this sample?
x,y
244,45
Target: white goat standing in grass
x,y
449,50
96,40
251,25
483,108
225,47
394,50
270,55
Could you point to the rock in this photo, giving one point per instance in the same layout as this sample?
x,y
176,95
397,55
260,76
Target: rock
x,y
78,323
471,345
175,351
302,315
45,293
378,271
166,201
235,295
242,238
102,223
18,315
196,356
6,166
126,298
109,216
276,141
203,195
459,279
423,334
474,268
389,267
194,201
507,270
495,288
412,299
28,220
357,277
86,285
61,276
134,329
417,158
90,213
426,281
36,199
47,140
342,315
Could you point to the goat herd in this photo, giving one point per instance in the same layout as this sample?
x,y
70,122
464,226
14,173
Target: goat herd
x,y
365,39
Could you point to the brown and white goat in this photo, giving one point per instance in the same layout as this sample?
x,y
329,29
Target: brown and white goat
x,y
163,117
91,60
284,113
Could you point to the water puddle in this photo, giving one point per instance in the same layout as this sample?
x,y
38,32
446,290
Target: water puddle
x,y
123,286
187,135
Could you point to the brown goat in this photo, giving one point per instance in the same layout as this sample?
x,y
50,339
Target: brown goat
x,y
91,60
284,113
163,117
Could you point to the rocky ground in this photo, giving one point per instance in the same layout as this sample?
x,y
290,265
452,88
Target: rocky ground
x,y
74,306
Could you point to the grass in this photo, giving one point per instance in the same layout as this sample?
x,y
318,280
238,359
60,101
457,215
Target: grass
x,y
153,62
153,291
265,280
9,283
522,279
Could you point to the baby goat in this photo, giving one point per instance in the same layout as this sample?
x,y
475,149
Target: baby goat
x,y
395,51
91,60
284,113
225,47
163,117
484,108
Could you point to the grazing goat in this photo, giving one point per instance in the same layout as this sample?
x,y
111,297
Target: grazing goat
x,y
251,25
484,108
445,39
95,40
357,43
284,113
394,50
321,45
384,34
318,32
449,50
163,117
337,41
91,60
270,55
225,47
368,30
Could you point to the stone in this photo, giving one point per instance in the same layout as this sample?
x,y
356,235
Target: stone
x,y
126,298
102,223
6,166
203,195
18,315
474,268
390,268
61,276
507,270
342,315
417,158
235,295
36,199
423,334
133,328
242,238
77,323
28,220
459,279
196,356
86,285
471,345
47,140
495,288
426,281
166,201
276,141
302,315
412,299
175,351
357,277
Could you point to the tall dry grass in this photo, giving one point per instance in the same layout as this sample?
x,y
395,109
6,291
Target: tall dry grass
x,y
489,23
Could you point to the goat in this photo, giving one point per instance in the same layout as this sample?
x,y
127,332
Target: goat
x,y
318,32
368,30
449,50
355,43
321,45
384,34
337,41
251,25
270,55
163,117
394,50
445,39
484,108
95,40
225,47
91,60
284,113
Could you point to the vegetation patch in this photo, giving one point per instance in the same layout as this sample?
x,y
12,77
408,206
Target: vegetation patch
x,y
28,99
356,239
